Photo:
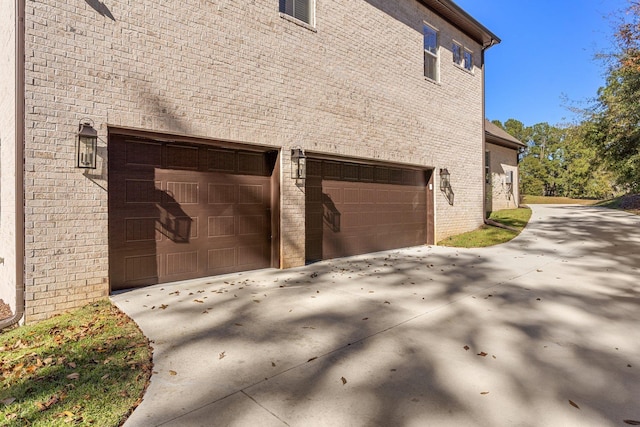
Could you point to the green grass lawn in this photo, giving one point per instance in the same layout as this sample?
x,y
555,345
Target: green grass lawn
x,y
87,367
545,200
488,235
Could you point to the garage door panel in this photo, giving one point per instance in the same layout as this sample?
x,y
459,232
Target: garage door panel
x,y
187,218
141,230
222,258
183,263
222,193
182,193
141,268
250,194
142,191
182,157
221,226
138,153
384,208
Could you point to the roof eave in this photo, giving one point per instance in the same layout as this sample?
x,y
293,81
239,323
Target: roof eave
x,y
461,19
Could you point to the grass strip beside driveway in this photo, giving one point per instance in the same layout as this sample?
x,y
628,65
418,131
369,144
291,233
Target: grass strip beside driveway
x,y
488,235
86,367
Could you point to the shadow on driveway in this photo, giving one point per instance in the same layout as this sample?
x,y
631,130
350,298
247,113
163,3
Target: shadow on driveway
x,y
540,331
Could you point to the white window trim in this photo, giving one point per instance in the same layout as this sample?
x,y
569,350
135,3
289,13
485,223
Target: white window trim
x,y
464,50
435,55
310,26
459,64
464,60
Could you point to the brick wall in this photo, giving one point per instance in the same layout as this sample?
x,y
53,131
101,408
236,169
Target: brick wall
x,y
234,71
503,160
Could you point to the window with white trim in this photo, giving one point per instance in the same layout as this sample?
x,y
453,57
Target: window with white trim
x,y
468,60
456,49
431,52
299,9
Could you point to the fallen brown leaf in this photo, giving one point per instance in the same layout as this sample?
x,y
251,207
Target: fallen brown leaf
x,y
173,373
466,347
482,353
573,404
632,422
73,376
312,359
344,380
164,306
484,392
222,355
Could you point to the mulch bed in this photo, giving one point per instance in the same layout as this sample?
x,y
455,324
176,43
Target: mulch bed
x,y
630,202
5,310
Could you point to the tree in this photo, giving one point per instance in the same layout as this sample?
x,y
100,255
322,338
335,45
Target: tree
x,y
558,161
613,125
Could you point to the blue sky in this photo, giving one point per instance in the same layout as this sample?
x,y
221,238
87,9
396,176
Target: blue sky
x,y
546,55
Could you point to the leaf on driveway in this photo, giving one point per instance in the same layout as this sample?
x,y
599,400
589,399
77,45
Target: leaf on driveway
x,y
466,347
632,422
221,355
365,318
484,392
483,354
198,301
312,359
173,373
164,306
344,380
573,404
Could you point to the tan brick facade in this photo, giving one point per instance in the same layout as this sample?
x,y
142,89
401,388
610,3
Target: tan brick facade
x,y
352,86
502,161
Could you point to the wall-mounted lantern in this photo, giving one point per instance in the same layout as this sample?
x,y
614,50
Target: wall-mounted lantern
x,y
87,145
298,164
445,182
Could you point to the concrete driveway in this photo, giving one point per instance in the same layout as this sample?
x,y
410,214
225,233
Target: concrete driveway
x,y
542,331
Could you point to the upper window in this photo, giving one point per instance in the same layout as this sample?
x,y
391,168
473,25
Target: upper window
x,y
468,60
430,52
456,49
299,9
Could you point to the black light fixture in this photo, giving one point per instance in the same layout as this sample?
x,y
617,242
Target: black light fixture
x,y
445,182
87,145
298,164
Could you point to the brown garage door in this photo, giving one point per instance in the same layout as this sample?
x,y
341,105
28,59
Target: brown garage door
x,y
182,211
353,209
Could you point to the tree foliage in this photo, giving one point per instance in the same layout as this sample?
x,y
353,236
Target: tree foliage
x,y
613,125
558,161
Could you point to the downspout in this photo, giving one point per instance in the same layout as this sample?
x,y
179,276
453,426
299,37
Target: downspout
x,y
19,166
485,46
484,139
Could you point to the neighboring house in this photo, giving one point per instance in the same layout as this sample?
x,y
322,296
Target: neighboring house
x,y
501,169
202,113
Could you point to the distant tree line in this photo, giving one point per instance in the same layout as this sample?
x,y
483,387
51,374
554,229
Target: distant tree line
x,y
600,156
558,161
